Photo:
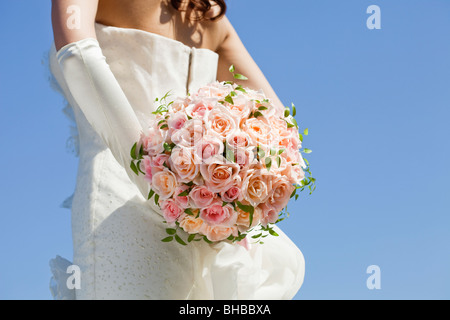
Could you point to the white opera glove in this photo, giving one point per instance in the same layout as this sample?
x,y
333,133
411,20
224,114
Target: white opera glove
x,y
100,97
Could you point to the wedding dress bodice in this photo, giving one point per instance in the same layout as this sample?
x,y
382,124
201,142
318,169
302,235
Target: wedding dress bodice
x,y
117,233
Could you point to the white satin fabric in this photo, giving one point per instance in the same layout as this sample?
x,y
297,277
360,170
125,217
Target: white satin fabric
x,y
116,233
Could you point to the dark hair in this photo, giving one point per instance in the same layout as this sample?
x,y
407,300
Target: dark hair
x,y
201,8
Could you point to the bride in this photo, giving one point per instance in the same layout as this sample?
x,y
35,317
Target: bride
x,y
111,59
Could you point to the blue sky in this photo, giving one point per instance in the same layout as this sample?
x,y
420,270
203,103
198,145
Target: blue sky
x,y
377,103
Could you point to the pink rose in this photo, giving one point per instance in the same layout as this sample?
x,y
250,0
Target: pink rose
x,y
208,148
244,158
220,122
202,197
234,192
189,135
171,211
238,139
164,183
181,201
241,108
281,192
219,174
153,141
159,161
215,90
217,214
200,108
176,121
269,214
183,163
178,105
146,167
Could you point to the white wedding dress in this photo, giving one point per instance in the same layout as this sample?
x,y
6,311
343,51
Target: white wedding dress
x,y
117,233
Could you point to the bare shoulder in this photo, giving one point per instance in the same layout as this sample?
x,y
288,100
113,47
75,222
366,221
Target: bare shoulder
x,y
218,31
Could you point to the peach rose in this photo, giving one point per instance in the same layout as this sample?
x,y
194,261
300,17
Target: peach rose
x,y
171,211
218,214
217,233
183,163
281,192
219,174
202,197
164,183
220,122
259,131
243,220
256,186
191,224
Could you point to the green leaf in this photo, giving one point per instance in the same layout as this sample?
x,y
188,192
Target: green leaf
x,y
257,114
207,240
164,126
151,193
224,203
168,239
261,153
184,193
230,155
306,132
300,136
232,69
248,209
167,147
257,236
229,99
273,233
179,240
189,212
287,112
281,151
191,238
134,168
273,152
240,77
294,110
239,88
157,199
307,150
171,231
133,152
279,161
262,108
268,162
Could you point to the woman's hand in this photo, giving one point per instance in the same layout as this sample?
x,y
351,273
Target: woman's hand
x,y
73,20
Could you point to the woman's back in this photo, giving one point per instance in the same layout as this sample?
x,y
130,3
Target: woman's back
x,y
160,17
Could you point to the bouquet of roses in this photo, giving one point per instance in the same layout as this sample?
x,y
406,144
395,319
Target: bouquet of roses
x,y
222,163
